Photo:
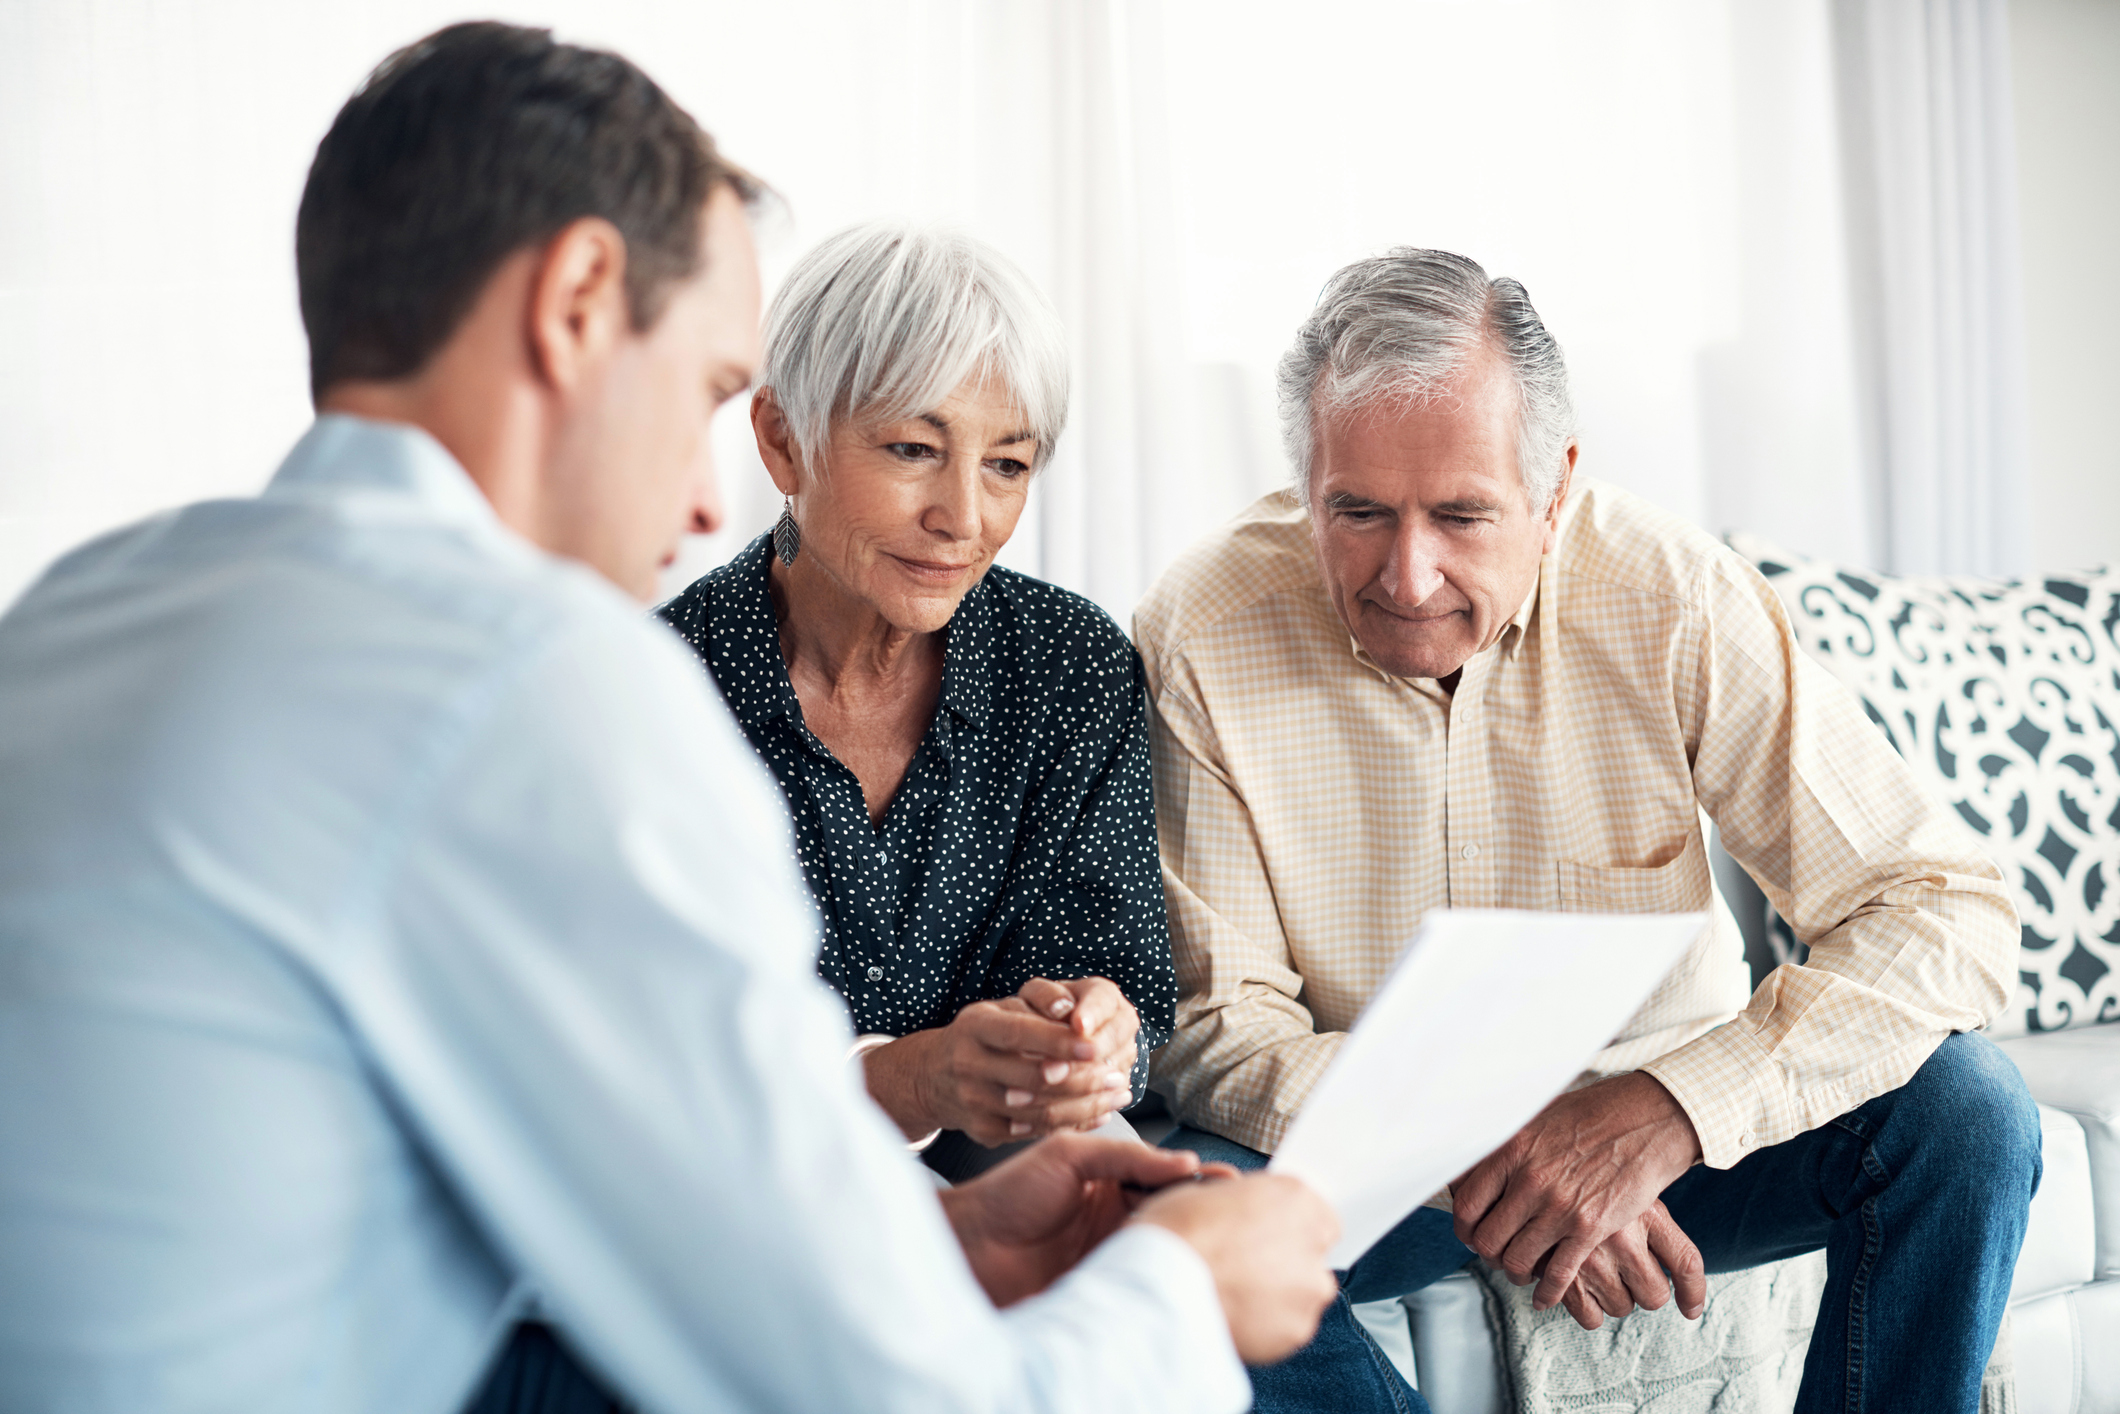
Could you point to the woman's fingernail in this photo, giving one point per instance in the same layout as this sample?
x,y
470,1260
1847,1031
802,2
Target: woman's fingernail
x,y
1114,1080
1017,1126
1063,1006
1055,1072
1016,1098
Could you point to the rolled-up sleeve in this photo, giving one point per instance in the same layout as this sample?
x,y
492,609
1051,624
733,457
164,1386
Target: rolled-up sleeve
x,y
1911,930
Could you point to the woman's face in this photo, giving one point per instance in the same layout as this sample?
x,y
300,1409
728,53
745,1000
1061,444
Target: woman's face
x,y
909,514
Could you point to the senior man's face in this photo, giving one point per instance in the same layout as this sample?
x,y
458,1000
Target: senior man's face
x,y
1425,537
908,515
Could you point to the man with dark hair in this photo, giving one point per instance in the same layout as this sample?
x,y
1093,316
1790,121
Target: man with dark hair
x,y
406,987
464,148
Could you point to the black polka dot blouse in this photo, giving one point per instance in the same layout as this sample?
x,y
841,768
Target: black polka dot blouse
x,y
1023,841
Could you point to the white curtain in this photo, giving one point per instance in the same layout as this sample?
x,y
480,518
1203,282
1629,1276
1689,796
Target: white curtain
x,y
1050,140
1180,175
1109,494
1929,157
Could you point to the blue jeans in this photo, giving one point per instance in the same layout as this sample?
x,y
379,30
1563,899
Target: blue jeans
x,y
1918,1197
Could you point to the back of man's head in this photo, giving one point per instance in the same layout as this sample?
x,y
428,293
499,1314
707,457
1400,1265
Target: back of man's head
x,y
465,147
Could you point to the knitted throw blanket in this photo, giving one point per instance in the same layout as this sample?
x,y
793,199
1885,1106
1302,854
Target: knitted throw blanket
x,y
1743,1356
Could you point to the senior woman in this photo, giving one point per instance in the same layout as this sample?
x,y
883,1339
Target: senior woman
x,y
964,748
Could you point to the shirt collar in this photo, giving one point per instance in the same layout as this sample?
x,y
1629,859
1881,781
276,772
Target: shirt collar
x,y
968,678
742,624
1520,622
340,451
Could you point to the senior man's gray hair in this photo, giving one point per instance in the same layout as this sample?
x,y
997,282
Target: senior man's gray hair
x,y
1399,327
885,321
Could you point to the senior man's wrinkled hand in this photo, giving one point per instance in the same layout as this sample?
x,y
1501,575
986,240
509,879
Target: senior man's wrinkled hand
x,y
1645,1264
1580,1176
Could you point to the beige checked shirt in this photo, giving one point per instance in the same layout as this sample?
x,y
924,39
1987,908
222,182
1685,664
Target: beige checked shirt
x,y
1312,809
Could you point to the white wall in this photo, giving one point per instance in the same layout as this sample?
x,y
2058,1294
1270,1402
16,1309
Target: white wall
x,y
152,156
1660,173
1661,176
2066,58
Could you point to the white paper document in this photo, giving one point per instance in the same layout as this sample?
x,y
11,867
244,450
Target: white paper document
x,y
1488,1014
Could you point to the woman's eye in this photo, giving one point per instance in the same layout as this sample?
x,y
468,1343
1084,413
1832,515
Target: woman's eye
x,y
1008,467
910,451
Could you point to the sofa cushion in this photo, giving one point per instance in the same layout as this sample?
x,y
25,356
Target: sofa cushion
x,y
2058,1240
2067,1351
2079,1072
2097,1324
2044,1344
2005,698
1453,1347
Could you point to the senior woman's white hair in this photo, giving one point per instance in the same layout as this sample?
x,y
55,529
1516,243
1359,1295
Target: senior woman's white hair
x,y
886,321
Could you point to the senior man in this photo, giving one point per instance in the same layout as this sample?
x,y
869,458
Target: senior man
x,y
1445,671
407,991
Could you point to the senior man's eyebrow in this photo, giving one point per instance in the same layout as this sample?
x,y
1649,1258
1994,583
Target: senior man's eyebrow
x,y
1466,508
1348,501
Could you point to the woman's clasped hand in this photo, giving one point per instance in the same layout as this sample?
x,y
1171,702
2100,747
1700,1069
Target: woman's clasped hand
x,y
1056,1056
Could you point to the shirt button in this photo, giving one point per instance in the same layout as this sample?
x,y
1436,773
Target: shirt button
x,y
1472,851
883,856
875,974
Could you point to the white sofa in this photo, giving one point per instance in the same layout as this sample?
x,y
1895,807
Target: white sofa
x,y
2006,699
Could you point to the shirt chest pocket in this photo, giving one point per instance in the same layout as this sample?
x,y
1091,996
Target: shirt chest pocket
x,y
1679,885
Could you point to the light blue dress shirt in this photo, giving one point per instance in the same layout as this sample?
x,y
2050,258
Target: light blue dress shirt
x,y
396,930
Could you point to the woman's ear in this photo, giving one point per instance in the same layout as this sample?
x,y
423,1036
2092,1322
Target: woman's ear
x,y
776,442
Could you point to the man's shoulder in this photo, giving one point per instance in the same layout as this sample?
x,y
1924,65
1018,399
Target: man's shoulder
x,y
300,623
1260,556
1613,539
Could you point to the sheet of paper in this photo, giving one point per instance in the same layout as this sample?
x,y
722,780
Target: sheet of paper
x,y
1488,1014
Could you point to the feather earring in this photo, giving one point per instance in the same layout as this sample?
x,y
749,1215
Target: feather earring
x,y
787,535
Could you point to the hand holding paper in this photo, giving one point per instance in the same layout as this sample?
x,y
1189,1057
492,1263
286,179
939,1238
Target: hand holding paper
x,y
1488,1015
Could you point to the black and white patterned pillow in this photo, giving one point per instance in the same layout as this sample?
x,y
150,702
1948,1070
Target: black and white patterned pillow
x,y
2005,699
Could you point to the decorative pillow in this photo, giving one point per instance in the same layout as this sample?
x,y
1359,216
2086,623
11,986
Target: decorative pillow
x,y
2004,699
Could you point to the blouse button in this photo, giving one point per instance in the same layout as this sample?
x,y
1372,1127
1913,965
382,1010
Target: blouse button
x,y
1472,851
883,856
875,974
